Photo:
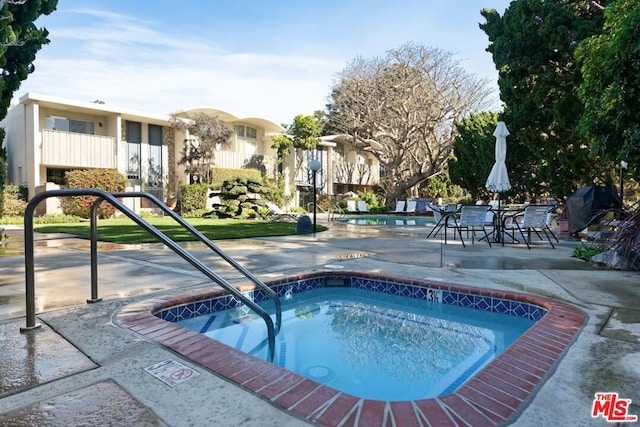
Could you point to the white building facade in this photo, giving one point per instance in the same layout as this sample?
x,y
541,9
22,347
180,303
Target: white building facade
x,y
47,136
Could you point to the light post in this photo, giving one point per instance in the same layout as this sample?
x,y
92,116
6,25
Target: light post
x,y
623,165
314,165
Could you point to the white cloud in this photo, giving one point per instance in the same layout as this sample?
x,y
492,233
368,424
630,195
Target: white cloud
x,y
159,68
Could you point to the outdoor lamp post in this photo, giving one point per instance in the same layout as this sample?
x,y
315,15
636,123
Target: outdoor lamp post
x,y
314,165
623,165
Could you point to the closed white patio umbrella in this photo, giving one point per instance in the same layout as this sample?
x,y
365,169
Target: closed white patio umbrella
x,y
286,191
498,180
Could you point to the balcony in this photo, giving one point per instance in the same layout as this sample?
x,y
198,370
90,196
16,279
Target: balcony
x,y
234,160
77,150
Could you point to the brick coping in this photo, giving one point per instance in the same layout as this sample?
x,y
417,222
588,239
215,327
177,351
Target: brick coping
x,y
496,394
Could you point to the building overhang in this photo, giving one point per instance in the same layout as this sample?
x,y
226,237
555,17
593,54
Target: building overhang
x,y
63,104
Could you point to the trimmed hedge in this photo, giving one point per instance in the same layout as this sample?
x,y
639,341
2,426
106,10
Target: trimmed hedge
x,y
193,198
102,179
220,175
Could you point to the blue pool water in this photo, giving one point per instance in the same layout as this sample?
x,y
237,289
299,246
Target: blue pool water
x,y
369,344
388,220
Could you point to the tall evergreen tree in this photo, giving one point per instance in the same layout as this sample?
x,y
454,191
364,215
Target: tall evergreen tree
x,y
611,86
473,153
533,46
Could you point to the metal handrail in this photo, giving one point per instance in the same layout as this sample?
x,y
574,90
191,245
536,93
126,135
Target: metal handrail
x,y
30,264
246,273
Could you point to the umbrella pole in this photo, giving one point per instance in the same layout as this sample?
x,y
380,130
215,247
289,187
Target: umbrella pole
x,y
499,231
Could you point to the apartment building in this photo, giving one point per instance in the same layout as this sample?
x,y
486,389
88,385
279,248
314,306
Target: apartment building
x,y
47,136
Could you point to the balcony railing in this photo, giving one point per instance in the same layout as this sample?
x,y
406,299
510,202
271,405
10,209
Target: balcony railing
x,y
78,150
234,160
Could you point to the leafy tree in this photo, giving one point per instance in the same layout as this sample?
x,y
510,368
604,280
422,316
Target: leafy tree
x,y
207,134
441,186
611,87
533,47
20,40
301,135
474,153
402,108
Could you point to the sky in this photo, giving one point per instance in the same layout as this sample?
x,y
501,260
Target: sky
x,y
272,59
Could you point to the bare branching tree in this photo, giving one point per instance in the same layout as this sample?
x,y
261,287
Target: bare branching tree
x,y
206,135
402,108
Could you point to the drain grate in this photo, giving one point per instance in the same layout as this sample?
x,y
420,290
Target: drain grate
x,y
353,255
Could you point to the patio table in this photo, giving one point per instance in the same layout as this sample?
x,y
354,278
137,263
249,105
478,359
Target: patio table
x,y
502,215
447,212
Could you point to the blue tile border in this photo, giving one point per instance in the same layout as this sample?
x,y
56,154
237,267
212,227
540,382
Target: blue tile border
x,y
461,299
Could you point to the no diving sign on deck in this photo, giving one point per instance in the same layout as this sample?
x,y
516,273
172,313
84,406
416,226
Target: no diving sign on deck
x,y
171,372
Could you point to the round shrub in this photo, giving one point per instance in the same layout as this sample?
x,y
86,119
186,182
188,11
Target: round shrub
x,y
102,179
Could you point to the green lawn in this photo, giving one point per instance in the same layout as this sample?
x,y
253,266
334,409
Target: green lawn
x,y
126,231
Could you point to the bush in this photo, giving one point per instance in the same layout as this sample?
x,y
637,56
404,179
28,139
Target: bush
x,y
625,240
585,252
102,179
237,199
193,198
56,219
13,204
375,204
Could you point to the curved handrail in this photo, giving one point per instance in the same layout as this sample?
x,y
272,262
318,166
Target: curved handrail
x,y
30,264
194,231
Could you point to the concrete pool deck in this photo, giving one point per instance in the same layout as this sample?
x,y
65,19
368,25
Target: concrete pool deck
x,y
80,355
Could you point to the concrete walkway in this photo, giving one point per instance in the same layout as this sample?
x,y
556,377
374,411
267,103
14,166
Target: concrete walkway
x,y
81,367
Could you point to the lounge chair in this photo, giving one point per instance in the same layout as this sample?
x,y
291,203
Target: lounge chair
x,y
411,206
277,214
362,206
400,204
351,207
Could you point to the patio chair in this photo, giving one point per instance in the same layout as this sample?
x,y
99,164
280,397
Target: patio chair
x,y
536,219
351,206
277,214
362,206
472,218
442,215
491,220
400,204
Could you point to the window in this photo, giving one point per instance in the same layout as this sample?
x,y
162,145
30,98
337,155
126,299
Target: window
x,y
134,139
245,131
57,176
155,156
69,125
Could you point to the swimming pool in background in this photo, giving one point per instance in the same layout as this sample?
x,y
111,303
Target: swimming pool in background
x,y
370,344
496,394
419,221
